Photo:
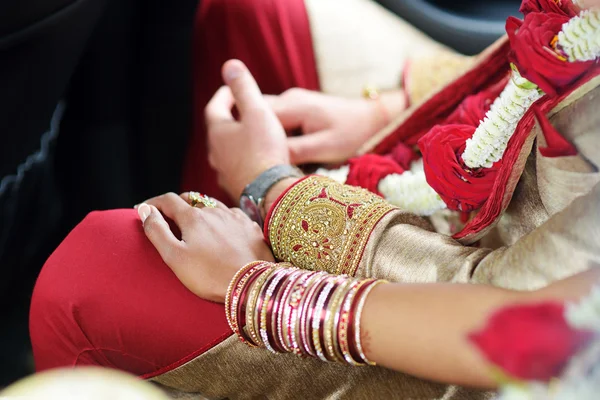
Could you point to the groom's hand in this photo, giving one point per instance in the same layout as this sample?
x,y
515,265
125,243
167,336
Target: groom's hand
x,y
241,150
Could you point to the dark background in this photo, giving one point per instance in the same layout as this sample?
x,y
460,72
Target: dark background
x,y
95,111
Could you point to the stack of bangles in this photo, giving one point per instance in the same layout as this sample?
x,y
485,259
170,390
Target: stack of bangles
x,y
290,310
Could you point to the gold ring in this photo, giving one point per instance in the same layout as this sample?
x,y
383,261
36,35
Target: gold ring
x,y
197,198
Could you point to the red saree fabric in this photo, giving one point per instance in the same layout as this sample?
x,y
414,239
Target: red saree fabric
x,y
272,37
105,297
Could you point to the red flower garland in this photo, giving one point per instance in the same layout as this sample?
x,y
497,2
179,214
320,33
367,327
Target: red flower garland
x,y
534,51
562,7
366,171
530,342
460,188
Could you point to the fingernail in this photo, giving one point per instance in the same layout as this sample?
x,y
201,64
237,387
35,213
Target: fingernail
x,y
144,211
232,71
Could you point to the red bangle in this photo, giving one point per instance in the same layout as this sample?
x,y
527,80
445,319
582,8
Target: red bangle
x,y
242,306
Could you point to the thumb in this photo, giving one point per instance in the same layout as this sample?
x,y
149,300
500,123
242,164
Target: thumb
x,y
319,147
244,88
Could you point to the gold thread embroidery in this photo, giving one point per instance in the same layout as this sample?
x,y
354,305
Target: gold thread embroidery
x,y
322,225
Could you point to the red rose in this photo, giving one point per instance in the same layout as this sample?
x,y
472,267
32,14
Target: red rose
x,y
530,342
473,108
533,54
366,171
563,7
460,188
403,155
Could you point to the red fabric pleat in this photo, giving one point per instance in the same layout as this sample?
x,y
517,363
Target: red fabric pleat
x,y
272,37
556,144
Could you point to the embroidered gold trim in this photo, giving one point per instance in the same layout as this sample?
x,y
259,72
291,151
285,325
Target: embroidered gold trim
x,y
322,225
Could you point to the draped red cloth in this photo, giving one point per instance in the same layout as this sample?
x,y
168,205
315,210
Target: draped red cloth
x,y
272,37
105,297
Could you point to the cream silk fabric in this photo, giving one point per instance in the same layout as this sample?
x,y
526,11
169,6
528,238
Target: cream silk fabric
x,y
358,43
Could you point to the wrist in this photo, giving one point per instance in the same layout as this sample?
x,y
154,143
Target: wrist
x,y
281,307
274,192
385,106
393,102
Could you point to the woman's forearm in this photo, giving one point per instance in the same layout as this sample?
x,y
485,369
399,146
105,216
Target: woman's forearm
x,y
423,329
419,329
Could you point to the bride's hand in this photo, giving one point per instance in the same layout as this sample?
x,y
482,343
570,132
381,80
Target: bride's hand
x,y
333,128
215,242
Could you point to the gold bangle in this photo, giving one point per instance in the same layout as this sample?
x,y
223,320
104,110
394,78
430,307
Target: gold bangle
x,y
357,318
251,325
317,320
270,285
235,295
333,313
370,92
344,323
302,329
285,320
234,282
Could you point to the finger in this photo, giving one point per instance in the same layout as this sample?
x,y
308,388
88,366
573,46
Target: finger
x,y
219,107
244,88
290,113
160,235
186,197
319,147
173,206
239,213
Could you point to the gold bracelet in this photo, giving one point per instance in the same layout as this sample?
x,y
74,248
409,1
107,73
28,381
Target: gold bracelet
x,y
333,314
344,322
357,318
302,312
234,283
251,315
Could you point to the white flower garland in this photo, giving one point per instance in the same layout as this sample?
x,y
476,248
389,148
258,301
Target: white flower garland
x,y
579,38
340,175
586,313
410,191
493,133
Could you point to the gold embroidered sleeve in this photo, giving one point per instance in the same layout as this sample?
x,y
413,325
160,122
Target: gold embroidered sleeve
x,y
322,225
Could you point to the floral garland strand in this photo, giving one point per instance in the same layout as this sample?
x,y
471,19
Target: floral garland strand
x,y
410,191
491,137
578,40
586,313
